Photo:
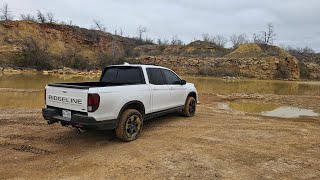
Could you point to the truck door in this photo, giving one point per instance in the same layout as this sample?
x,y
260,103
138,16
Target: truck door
x,y
160,93
177,91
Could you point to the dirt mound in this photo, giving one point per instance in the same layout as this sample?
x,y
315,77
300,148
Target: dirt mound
x,y
257,50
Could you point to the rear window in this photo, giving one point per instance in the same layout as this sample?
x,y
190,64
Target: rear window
x,y
123,75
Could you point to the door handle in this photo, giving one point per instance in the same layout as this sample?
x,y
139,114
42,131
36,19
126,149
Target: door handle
x,y
171,88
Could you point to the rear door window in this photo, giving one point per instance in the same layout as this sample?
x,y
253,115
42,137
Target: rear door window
x,y
155,76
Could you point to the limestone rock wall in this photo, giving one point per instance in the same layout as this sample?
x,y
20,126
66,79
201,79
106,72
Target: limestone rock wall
x,y
256,67
313,70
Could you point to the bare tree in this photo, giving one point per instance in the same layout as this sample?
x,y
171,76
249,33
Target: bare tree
x,y
162,42
269,35
176,41
121,32
308,50
27,17
220,41
165,42
50,18
299,50
141,30
257,38
149,40
5,13
159,41
206,37
265,37
238,39
99,26
41,17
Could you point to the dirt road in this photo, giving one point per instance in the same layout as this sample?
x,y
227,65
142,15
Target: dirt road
x,y
215,144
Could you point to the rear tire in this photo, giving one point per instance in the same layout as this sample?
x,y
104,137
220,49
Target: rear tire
x,y
189,107
130,125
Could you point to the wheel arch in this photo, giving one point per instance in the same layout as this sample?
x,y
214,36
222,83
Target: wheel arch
x,y
138,105
193,94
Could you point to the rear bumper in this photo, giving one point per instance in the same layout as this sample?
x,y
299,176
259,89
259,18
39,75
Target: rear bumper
x,y
53,115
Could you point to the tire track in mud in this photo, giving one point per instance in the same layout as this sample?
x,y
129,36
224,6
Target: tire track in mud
x,y
26,148
66,141
26,121
20,90
15,122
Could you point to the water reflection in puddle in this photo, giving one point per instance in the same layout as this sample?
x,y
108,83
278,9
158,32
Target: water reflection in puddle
x,y
271,110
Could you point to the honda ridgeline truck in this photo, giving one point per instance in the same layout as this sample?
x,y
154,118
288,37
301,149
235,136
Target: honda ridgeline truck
x,y
125,97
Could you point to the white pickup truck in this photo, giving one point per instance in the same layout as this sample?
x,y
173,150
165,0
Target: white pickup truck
x,y
125,96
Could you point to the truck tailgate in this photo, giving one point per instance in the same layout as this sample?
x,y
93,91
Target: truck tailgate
x,y
67,98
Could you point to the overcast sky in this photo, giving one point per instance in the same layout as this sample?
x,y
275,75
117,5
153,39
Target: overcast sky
x,y
296,21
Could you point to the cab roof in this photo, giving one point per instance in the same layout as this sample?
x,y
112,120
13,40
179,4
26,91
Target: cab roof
x,y
140,65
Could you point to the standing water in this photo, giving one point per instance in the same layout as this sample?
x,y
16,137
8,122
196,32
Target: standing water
x,y
27,90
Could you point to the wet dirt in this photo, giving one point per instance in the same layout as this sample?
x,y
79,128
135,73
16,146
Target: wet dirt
x,y
215,144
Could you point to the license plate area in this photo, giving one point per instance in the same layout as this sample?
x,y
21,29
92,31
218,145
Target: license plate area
x,y
66,114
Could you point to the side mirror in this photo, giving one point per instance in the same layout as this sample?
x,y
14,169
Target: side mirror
x,y
183,82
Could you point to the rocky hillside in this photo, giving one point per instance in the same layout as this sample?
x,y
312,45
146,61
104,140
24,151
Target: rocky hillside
x,y
249,60
60,45
26,44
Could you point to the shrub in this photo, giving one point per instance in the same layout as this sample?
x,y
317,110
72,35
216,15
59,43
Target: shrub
x,y
34,56
304,73
103,60
81,63
282,71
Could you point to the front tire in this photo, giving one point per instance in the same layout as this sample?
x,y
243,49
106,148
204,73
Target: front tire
x,y
190,107
130,125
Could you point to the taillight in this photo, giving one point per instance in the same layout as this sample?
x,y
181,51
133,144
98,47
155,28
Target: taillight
x,y
93,102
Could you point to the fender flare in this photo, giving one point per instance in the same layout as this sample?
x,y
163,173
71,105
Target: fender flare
x,y
128,104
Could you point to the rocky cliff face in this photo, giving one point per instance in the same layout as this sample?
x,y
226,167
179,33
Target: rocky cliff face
x,y
309,64
313,70
59,40
79,48
249,60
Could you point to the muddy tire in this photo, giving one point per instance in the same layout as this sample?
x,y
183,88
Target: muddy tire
x,y
190,107
130,125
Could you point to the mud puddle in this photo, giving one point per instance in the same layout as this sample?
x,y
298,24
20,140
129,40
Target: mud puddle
x,y
271,110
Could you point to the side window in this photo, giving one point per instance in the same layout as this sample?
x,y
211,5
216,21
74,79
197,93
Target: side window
x,y
171,77
155,76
